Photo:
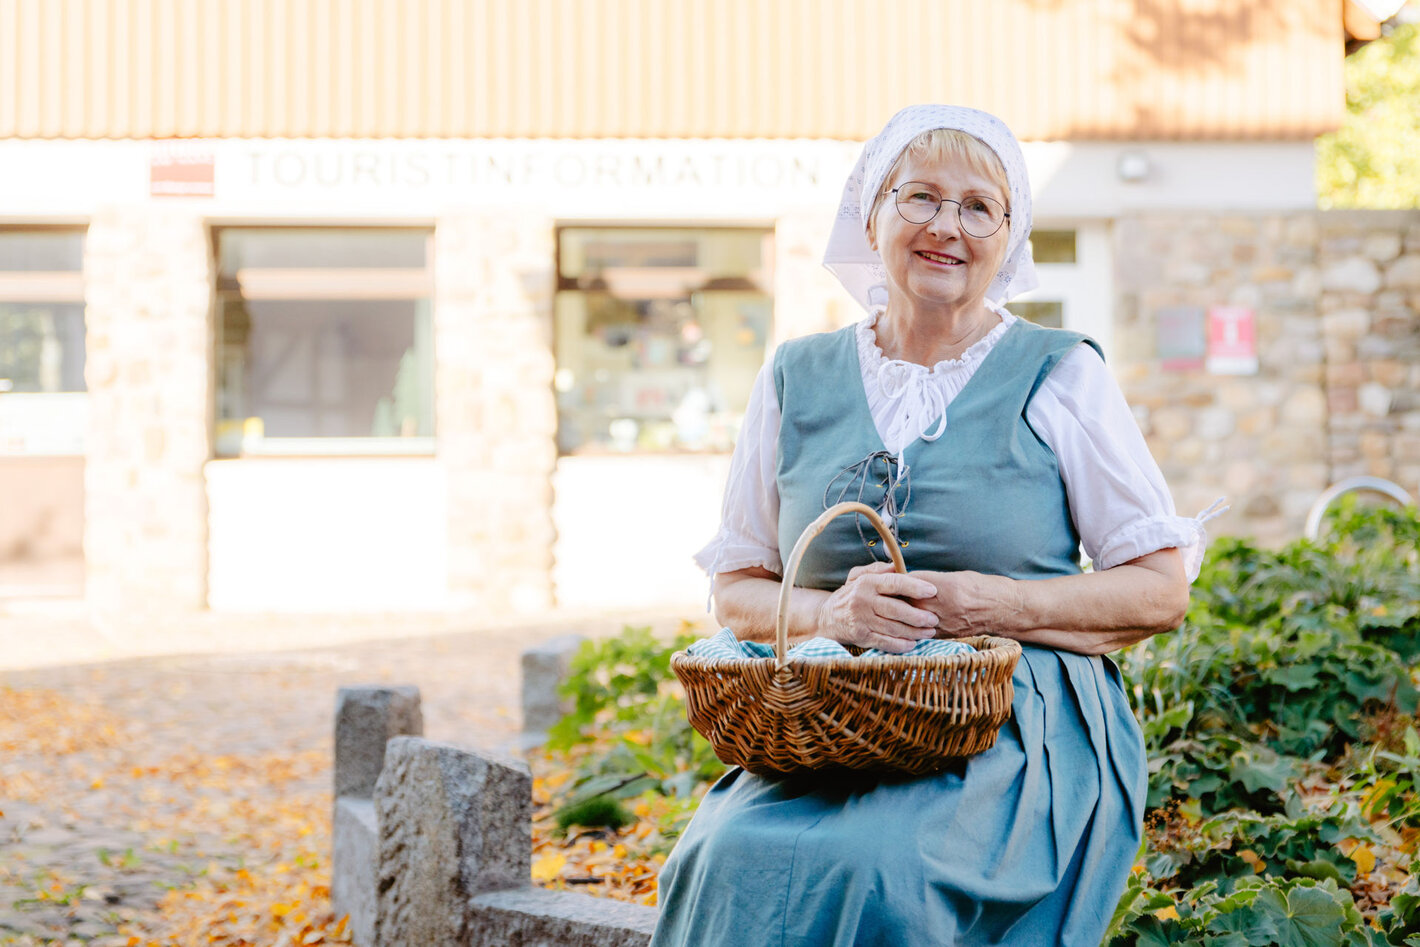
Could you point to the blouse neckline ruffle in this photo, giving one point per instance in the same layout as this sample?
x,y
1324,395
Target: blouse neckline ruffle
x,y
871,356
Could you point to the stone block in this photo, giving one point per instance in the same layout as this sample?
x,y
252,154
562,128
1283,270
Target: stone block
x,y
1374,347
1341,400
1382,246
1305,407
1171,424
353,881
1353,274
1215,423
533,917
366,717
1375,445
1374,399
453,823
1346,323
1389,372
545,667
1404,273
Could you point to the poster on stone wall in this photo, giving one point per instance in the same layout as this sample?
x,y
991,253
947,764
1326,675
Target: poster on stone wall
x,y
1180,342
1232,340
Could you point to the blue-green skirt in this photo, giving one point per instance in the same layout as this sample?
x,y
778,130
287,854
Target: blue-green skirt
x,y
1027,843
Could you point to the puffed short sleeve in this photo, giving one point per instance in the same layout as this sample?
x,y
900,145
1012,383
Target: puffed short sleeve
x,y
749,516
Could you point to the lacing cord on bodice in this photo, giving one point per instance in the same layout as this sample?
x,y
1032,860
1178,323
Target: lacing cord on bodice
x,y
853,482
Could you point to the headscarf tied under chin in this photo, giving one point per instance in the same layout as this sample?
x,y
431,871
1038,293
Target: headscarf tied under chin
x,y
860,269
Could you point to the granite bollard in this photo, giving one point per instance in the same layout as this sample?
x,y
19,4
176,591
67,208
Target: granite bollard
x,y
366,717
452,823
545,667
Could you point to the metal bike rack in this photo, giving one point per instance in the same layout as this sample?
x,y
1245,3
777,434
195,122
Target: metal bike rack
x,y
1351,485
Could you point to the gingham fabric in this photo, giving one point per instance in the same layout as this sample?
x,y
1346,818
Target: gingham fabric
x,y
725,646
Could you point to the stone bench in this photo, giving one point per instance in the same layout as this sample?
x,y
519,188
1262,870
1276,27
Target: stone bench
x,y
433,843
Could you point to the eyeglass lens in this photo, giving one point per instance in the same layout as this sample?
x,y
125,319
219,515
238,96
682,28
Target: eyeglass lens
x,y
918,203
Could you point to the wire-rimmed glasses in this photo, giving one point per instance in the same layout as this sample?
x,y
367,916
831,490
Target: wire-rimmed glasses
x,y
919,203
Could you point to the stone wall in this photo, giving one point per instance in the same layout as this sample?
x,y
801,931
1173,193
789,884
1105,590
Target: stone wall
x,y
148,276
1370,324
1337,303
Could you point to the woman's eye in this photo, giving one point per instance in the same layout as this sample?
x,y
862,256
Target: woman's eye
x,y
974,204
922,197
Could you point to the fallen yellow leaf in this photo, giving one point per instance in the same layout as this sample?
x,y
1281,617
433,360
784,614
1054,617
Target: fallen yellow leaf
x,y
1364,858
1169,913
1252,858
548,867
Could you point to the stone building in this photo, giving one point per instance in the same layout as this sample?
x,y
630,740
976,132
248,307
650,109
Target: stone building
x,y
445,305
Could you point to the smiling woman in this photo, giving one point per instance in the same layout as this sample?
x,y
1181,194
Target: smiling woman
x,y
996,449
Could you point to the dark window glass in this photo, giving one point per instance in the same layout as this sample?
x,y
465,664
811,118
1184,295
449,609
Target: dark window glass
x,y
1048,314
303,359
44,251
1053,246
315,248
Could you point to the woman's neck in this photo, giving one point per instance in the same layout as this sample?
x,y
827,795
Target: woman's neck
x,y
907,334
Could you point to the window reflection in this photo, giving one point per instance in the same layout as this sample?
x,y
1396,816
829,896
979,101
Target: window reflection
x,y
42,344
660,334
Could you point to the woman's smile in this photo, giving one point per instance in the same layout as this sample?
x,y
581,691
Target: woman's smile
x,y
944,258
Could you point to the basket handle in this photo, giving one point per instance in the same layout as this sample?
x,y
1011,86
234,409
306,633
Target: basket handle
x,y
781,630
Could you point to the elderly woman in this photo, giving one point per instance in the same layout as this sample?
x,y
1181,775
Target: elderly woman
x,y
994,449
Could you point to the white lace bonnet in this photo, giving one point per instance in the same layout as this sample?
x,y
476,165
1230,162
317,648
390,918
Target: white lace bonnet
x,y
860,269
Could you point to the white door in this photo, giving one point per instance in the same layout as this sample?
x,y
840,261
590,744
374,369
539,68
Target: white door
x,y
1076,291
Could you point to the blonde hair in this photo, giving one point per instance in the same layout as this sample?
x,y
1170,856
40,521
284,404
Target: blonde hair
x,y
937,146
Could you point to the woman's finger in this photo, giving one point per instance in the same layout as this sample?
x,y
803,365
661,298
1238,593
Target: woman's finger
x,y
868,569
891,643
907,620
904,586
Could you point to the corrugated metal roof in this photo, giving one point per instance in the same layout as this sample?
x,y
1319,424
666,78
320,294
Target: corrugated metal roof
x,y
1053,69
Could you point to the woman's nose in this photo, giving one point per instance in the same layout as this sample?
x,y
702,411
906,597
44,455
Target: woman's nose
x,y
946,223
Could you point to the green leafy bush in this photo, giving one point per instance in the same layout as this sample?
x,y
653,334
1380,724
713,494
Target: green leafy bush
x,y
627,733
1283,755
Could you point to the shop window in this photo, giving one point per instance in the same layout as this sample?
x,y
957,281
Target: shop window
x,y
324,341
1053,246
659,336
41,311
1049,314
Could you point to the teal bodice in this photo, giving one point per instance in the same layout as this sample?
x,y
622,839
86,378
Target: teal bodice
x,y
986,496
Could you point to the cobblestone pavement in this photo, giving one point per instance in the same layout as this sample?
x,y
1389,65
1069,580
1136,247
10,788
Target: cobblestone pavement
x,y
120,793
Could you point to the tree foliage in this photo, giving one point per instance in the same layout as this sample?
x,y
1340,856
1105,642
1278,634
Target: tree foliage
x,y
1373,160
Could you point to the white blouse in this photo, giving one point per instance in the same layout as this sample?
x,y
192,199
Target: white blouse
x,y
1118,499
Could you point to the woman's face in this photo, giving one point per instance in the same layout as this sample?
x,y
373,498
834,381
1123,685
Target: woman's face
x,y
937,263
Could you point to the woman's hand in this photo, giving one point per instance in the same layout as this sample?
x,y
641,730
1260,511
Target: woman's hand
x,y
870,610
1090,613
971,603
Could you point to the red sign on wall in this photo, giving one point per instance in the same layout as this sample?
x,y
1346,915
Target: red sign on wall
x,y
1232,340
181,169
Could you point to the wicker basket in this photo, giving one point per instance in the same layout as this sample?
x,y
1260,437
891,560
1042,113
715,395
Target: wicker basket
x,y
896,714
